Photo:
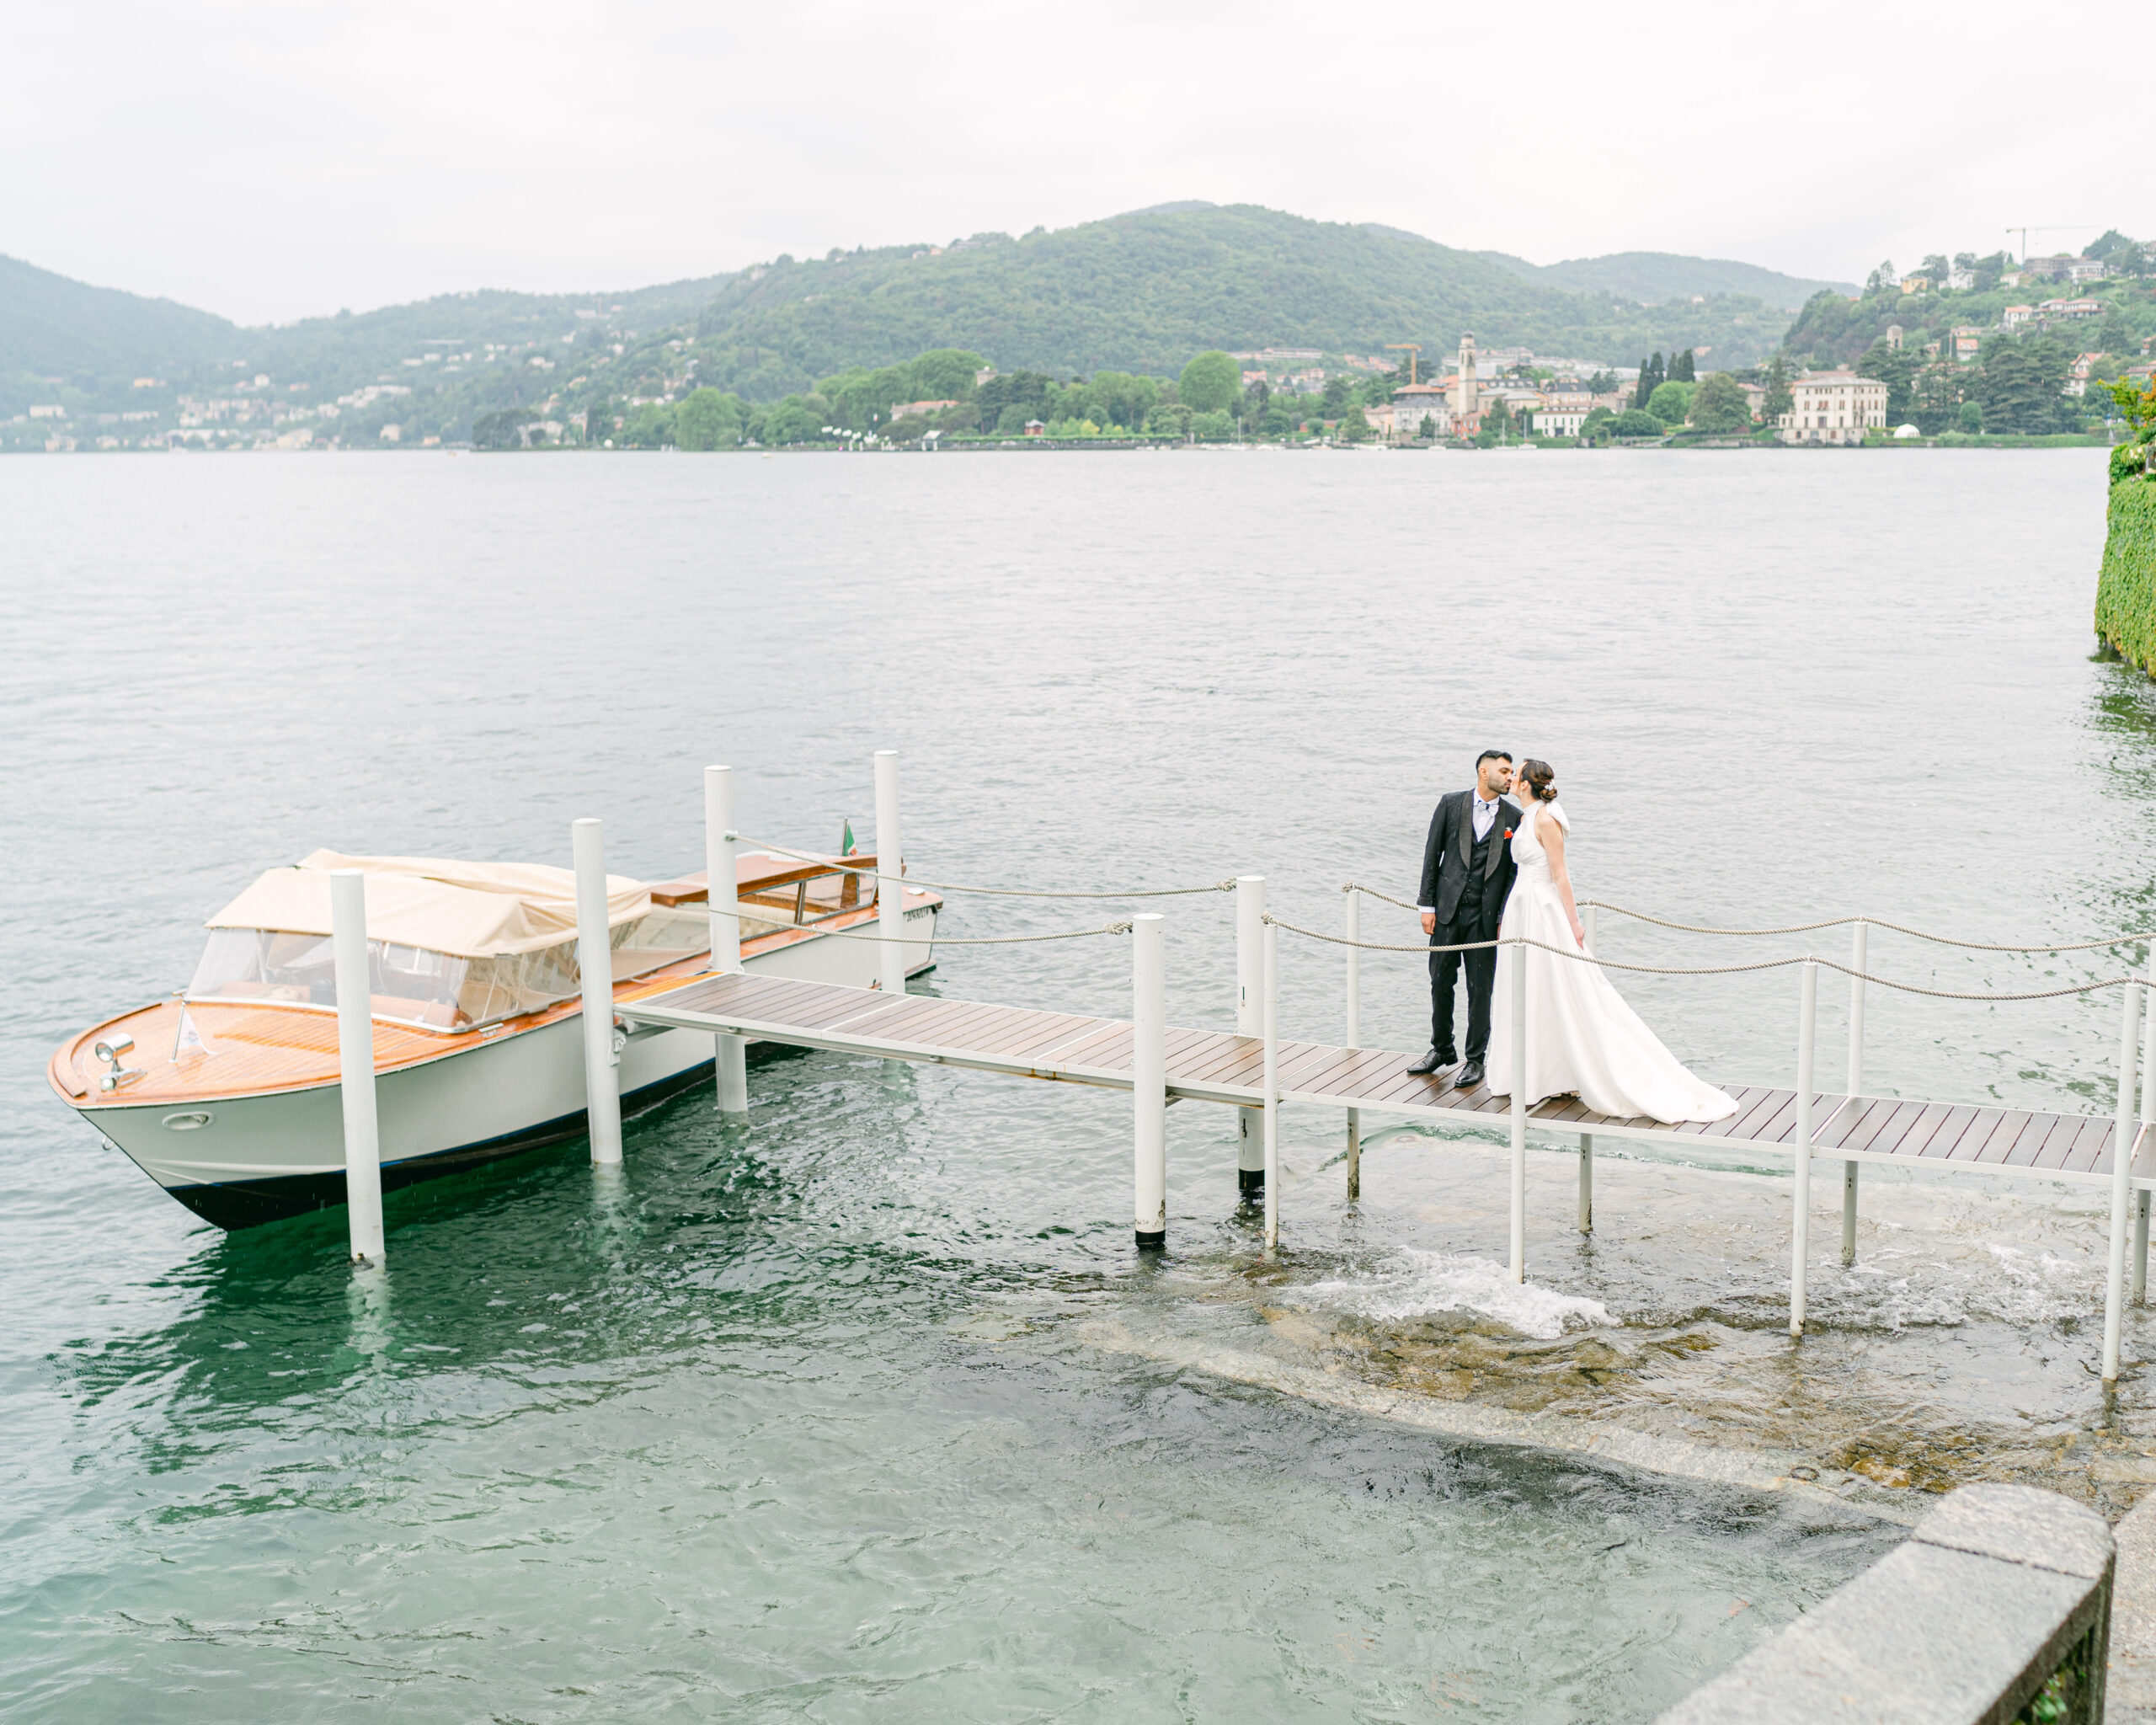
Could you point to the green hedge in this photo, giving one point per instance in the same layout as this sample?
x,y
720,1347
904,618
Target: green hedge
x,y
2125,591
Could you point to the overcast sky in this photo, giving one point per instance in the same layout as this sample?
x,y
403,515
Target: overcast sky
x,y
270,162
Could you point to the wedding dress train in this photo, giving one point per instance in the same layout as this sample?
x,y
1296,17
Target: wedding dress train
x,y
1581,1037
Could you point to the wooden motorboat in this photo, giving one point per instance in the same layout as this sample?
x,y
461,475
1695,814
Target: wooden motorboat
x,y
226,1095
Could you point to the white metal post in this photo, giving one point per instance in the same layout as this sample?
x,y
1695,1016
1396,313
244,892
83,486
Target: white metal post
x,y
594,958
1271,985
1149,1075
1587,1182
2147,1120
1250,1021
1519,1112
2122,1135
1858,943
1800,1234
723,899
348,937
1354,1039
890,894
1592,923
2141,1242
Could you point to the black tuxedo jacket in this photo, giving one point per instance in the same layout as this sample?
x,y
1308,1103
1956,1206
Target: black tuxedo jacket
x,y
1449,849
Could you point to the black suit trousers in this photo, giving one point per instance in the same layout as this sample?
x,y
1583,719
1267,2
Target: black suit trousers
x,y
1481,968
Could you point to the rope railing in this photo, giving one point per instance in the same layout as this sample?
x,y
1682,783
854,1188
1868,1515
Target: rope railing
x,y
1783,964
1943,940
994,892
824,931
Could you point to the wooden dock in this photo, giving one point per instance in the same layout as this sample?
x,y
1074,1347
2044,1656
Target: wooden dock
x,y
1210,1065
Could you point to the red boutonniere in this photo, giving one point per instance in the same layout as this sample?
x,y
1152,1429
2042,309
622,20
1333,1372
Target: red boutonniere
x,y
1508,832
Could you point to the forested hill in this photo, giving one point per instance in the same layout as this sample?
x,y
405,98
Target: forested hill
x,y
1142,292
1655,278
1139,292
51,326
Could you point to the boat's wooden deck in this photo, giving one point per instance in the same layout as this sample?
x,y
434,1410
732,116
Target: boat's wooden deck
x,y
250,1048
1214,1067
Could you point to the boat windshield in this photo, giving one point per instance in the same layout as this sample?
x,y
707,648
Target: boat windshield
x,y
435,990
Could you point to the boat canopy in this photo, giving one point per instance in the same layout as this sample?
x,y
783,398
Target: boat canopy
x,y
467,910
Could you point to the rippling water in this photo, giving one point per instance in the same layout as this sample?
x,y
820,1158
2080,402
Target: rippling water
x,y
861,1407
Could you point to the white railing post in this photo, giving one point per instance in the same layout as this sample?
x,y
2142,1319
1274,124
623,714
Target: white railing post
x,y
1148,1076
1858,943
890,892
723,899
1250,1021
1272,989
348,925
1587,1182
594,958
1592,921
1519,1112
1800,1234
2147,1120
1354,1039
2122,1135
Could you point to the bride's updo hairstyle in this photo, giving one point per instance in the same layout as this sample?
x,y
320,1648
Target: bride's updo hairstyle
x,y
1541,778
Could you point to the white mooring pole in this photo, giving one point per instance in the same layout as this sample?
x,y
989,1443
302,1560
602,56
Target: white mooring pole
x,y
594,958
1587,1182
723,899
2147,1120
347,925
1250,1021
1272,991
1857,945
890,895
1149,1075
2122,1135
1590,920
1519,1112
1354,1040
1800,1234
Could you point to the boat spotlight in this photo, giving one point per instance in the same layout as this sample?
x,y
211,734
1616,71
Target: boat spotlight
x,y
112,1051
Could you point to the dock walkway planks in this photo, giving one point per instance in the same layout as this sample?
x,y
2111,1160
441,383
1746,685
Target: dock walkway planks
x,y
1210,1065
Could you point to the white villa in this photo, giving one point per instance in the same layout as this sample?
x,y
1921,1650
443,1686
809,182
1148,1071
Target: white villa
x,y
1833,407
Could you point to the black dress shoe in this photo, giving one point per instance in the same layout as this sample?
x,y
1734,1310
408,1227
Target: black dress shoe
x,y
1430,1062
1471,1076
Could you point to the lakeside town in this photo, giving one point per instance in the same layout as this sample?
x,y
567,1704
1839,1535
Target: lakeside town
x,y
1990,349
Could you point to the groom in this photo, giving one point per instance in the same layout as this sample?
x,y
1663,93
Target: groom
x,y
1467,870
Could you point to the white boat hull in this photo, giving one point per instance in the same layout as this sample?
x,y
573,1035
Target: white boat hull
x,y
242,1161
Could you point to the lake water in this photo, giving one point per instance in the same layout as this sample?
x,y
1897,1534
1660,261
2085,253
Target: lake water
x,y
861,1407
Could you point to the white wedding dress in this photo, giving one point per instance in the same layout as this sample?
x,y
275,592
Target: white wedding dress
x,y
1582,1038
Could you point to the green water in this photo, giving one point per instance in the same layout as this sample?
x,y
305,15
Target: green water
x,y
812,1415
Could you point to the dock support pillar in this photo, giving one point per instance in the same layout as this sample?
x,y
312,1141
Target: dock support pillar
x,y
1271,979
1800,1234
1859,940
1517,958
2123,1134
2147,1120
723,899
890,859
1587,1182
1250,1021
1354,1040
2141,1244
348,924
594,958
1148,1076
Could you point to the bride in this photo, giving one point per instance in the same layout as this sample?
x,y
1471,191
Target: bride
x,y
1582,1038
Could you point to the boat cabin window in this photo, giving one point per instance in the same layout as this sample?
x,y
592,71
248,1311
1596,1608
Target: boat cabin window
x,y
435,990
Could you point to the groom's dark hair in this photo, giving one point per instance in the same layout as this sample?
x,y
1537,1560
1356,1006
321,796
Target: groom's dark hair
x,y
1492,754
